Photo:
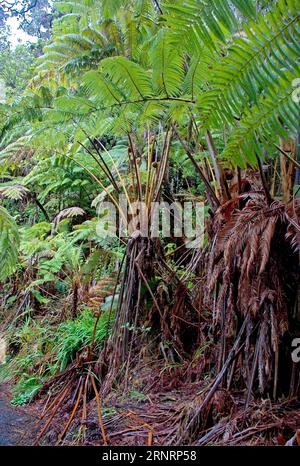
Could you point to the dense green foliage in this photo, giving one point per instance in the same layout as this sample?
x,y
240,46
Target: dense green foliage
x,y
112,71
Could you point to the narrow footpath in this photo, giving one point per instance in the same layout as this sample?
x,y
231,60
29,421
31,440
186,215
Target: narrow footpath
x,y
17,425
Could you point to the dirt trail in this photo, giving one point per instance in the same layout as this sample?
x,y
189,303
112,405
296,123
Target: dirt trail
x,y
17,425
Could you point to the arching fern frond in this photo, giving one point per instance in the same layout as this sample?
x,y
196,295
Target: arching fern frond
x,y
14,192
167,65
274,115
254,63
199,22
101,89
130,76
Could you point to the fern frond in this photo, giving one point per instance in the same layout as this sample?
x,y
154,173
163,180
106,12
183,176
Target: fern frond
x,y
73,105
198,22
101,89
69,212
131,77
167,65
14,192
274,115
256,62
9,244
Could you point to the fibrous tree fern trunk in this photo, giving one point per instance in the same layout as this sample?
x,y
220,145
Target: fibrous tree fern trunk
x,y
252,289
142,255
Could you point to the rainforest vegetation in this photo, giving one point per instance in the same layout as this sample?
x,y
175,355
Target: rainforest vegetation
x,y
142,340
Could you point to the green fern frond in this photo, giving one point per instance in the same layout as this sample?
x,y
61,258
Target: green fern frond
x,y
74,7
101,88
167,65
9,244
134,81
274,115
73,105
254,63
201,23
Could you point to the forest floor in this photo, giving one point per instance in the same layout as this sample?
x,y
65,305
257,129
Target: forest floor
x,y
151,421
18,426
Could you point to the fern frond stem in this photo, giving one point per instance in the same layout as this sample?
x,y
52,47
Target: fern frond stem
x,y
102,160
198,169
84,409
239,176
157,99
213,155
91,347
40,435
130,162
152,187
293,161
56,398
72,415
158,7
150,148
274,178
115,202
118,173
132,80
139,187
40,206
264,181
99,410
100,166
210,170
166,152
138,169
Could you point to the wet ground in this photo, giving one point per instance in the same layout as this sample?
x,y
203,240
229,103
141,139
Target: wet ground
x,y
18,426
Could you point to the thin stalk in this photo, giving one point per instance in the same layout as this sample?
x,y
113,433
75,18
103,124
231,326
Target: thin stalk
x,y
135,166
118,173
293,161
209,189
264,181
164,162
213,154
72,415
149,166
103,169
115,202
99,410
52,416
